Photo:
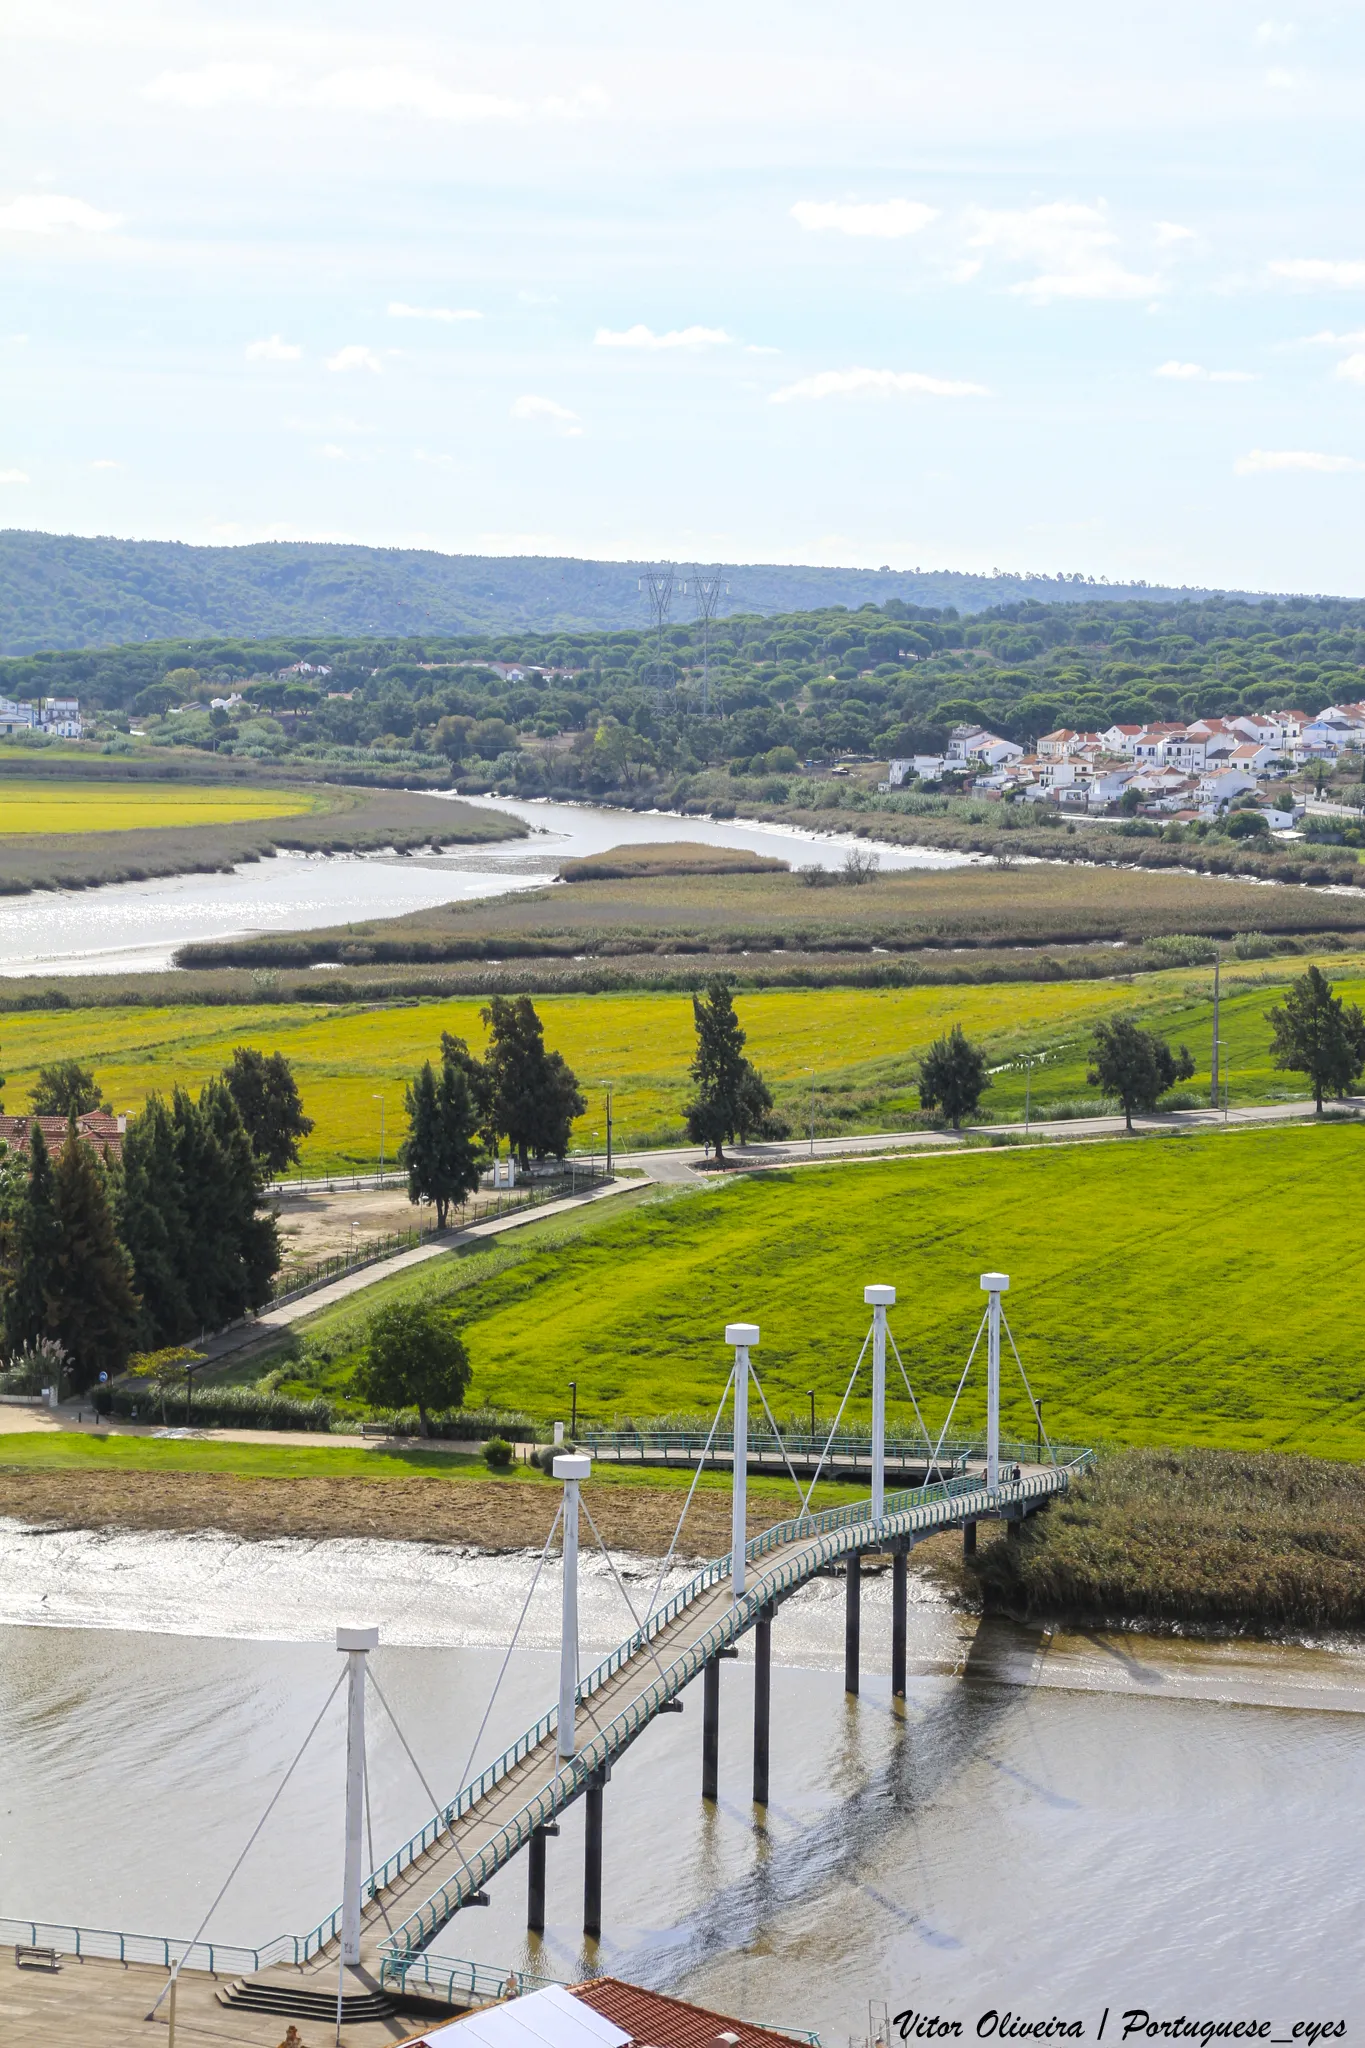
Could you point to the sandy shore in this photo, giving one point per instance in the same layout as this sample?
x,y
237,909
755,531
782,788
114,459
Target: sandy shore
x,y
490,1514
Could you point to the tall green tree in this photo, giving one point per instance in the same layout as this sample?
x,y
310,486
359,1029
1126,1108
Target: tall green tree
x,y
414,1358
732,1099
267,1098
441,1150
455,1052
153,1224
1318,1035
1135,1065
36,1244
535,1095
91,1306
232,1249
66,1088
953,1076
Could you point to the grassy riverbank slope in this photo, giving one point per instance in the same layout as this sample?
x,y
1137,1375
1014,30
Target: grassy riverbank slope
x,y
1192,1537
1176,1290
861,1047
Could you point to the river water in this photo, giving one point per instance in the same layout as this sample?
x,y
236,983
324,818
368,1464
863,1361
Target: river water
x,y
1053,1823
138,925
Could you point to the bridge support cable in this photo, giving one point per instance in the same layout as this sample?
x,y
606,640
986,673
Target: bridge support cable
x,y
778,1434
960,1385
525,1605
834,1426
706,1452
620,1587
1037,1411
853,1602
932,1466
271,1804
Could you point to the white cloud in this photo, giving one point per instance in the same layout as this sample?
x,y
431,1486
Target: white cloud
x,y
676,337
1190,372
885,219
876,384
398,311
273,350
1326,339
1280,80
1271,33
548,413
1073,245
13,476
105,463
1353,369
1262,459
354,357
371,89
1170,231
48,213
333,453
1348,275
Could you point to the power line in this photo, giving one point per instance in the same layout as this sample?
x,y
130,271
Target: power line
x,y
708,588
659,583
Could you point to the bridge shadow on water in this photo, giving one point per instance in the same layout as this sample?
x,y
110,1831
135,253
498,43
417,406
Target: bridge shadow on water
x,y
902,1795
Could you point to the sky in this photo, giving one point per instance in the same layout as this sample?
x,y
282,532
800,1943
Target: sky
x,y
1065,288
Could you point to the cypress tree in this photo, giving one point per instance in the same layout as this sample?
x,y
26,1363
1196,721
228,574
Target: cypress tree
x,y
153,1226
35,1250
732,1097
251,1235
92,1306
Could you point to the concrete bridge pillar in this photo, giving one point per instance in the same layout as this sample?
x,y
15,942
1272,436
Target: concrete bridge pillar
x,y
535,1878
899,1558
879,1299
592,1855
763,1670
853,1590
355,1644
742,1336
710,1730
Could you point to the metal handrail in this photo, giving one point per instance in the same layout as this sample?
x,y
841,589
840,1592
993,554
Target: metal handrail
x,y
906,1519
107,1944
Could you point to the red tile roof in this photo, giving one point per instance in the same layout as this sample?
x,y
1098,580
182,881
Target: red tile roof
x,y
654,2021
104,1132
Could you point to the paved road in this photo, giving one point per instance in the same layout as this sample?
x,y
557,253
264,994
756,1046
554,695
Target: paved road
x,y
682,1164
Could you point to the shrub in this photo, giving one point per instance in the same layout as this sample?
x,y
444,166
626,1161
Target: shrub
x,y
220,1408
497,1453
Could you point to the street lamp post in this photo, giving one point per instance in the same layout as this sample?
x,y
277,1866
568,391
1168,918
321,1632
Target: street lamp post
x,y
810,1396
812,1112
573,1422
1028,1089
380,1100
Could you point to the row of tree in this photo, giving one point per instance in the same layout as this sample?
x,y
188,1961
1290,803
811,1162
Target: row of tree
x,y
107,1254
459,1112
1315,1033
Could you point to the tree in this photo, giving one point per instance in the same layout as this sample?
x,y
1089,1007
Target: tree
x,y
1315,1034
1136,1066
152,1222
267,1097
441,1151
455,1053
66,1089
36,1237
732,1098
413,1359
91,1306
231,1251
534,1094
953,1077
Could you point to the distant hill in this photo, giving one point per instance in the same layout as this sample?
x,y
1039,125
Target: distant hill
x,y
62,590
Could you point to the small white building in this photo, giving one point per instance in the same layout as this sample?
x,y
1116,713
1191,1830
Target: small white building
x,y
15,717
1221,785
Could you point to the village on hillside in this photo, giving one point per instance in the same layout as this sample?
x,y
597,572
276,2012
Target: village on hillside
x,y
1189,771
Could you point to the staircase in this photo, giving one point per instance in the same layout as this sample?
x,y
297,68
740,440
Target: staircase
x,y
293,1999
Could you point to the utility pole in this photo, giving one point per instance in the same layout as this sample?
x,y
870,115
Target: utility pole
x,y
707,590
812,1112
659,583
1028,1088
609,1132
380,1100
1213,1086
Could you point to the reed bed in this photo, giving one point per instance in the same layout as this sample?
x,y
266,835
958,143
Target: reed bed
x,y
1199,1538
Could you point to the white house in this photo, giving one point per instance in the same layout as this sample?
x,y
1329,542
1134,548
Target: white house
x,y
15,717
62,716
1120,739
1253,758
1107,786
927,767
1055,746
1221,785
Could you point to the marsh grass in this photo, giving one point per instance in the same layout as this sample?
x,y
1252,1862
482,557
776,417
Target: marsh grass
x,y
1193,1537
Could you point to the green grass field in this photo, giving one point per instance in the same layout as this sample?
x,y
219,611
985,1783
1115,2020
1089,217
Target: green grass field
x,y
1190,1290
860,1045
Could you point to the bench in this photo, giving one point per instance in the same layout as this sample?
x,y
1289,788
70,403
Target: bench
x,y
27,1956
376,1429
